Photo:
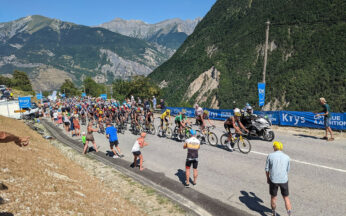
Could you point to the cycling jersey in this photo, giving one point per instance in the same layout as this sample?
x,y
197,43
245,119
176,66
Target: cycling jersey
x,y
165,114
180,118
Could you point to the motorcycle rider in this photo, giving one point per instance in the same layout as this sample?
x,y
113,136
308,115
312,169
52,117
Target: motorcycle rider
x,y
247,117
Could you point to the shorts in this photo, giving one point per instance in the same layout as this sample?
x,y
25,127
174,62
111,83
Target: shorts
x,y
67,123
193,162
326,122
55,119
228,126
166,120
178,123
114,143
136,153
199,121
77,127
273,189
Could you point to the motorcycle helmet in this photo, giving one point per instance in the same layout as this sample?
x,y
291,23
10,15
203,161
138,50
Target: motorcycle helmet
x,y
249,109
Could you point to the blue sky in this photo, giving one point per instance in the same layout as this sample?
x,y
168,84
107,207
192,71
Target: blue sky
x,y
94,12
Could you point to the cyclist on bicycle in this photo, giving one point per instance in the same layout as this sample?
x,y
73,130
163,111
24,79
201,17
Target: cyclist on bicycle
x,y
149,117
234,122
164,117
181,121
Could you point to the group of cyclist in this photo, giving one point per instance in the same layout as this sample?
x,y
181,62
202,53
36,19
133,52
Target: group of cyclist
x,y
202,117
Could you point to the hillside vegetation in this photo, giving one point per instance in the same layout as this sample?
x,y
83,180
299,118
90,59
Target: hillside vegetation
x,y
306,57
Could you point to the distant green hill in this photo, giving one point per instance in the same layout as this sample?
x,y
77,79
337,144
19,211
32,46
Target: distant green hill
x,y
51,51
220,64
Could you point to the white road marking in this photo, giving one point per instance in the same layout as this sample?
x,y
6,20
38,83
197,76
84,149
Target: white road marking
x,y
307,163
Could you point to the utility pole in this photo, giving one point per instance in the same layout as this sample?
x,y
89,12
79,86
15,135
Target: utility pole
x,y
266,52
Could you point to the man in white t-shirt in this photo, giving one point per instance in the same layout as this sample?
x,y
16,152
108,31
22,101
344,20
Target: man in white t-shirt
x,y
192,145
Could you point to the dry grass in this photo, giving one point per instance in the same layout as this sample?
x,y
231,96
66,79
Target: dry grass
x,y
42,181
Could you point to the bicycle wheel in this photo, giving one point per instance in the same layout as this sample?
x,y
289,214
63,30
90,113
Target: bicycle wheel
x,y
212,138
152,129
169,132
224,139
244,145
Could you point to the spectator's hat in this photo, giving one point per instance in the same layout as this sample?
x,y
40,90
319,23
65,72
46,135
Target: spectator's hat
x,y
277,145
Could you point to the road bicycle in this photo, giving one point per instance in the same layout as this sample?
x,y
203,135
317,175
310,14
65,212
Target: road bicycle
x,y
207,135
185,133
242,142
149,128
166,131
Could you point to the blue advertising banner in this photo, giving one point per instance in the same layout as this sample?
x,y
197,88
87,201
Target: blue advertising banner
x,y
83,94
38,96
261,93
103,96
309,119
285,118
24,102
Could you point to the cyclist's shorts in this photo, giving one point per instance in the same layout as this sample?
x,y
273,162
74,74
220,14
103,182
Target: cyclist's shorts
x,y
199,121
227,126
166,120
193,162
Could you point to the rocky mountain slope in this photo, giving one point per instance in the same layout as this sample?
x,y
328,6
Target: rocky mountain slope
x,y
51,50
169,33
221,62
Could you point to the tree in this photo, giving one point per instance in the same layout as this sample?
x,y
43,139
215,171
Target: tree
x,y
21,81
92,88
69,88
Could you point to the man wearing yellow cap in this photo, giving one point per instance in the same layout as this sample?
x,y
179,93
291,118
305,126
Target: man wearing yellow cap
x,y
277,168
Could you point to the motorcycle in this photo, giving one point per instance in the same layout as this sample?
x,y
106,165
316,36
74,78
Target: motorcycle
x,y
259,126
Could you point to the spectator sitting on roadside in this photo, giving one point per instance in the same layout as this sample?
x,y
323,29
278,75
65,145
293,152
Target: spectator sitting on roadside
x,y
8,137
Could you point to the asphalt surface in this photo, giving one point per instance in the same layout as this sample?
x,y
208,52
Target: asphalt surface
x,y
317,179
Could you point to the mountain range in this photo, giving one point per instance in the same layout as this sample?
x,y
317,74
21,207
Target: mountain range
x,y
169,33
221,62
51,50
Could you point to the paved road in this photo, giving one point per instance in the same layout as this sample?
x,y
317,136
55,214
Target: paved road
x,y
317,177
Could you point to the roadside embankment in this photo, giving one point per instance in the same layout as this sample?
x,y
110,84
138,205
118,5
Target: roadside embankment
x,y
49,178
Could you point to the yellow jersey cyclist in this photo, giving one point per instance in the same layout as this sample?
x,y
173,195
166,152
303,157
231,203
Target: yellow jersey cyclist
x,y
181,121
164,116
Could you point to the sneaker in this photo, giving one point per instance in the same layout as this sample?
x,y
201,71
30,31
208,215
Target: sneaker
x,y
273,212
121,155
187,185
115,156
193,183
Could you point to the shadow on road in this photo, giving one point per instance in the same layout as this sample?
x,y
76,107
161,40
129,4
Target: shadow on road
x,y
6,214
182,176
306,136
254,203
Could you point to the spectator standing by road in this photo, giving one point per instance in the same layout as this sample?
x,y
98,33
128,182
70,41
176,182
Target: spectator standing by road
x,y
140,143
277,168
192,145
327,115
154,102
90,137
112,136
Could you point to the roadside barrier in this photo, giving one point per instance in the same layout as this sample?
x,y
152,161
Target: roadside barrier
x,y
284,118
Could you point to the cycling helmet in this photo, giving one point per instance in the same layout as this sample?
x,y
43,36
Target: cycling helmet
x,y
237,112
183,111
168,111
138,109
206,112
